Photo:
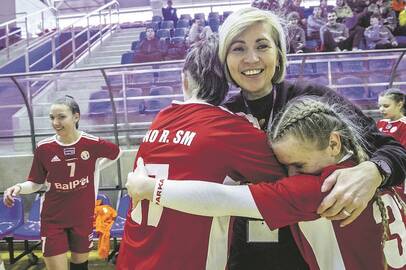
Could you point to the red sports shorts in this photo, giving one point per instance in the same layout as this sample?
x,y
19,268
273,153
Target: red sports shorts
x,y
57,239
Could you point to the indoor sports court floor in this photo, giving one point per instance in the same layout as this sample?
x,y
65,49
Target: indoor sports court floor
x,y
94,262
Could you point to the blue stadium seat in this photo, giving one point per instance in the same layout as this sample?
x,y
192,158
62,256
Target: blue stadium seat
x,y
157,18
200,15
133,105
352,92
142,35
214,24
163,33
118,226
183,23
157,104
30,230
10,218
134,45
214,14
180,32
167,25
127,58
185,17
99,103
154,25
103,198
226,14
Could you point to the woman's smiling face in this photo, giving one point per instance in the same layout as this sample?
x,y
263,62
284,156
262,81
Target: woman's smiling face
x,y
252,59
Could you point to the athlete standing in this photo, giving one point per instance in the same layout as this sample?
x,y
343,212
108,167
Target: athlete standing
x,y
67,164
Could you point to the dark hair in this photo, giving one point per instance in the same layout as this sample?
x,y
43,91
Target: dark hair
x,y
71,103
396,95
203,64
376,16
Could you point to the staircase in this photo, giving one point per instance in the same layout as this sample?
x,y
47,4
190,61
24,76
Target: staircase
x,y
110,51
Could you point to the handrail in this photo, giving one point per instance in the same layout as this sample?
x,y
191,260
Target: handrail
x,y
28,15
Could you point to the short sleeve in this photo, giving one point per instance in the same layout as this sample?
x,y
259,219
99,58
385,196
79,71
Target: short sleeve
x,y
38,172
107,149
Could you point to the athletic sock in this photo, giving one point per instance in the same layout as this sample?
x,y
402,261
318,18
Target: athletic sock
x,y
78,266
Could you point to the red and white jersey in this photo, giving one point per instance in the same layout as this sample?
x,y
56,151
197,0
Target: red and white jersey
x,y
68,170
396,129
192,141
323,243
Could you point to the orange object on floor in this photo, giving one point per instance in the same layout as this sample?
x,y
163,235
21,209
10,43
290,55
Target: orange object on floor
x,y
104,216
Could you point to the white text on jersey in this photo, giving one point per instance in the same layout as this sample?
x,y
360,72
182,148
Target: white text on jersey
x,y
71,185
184,137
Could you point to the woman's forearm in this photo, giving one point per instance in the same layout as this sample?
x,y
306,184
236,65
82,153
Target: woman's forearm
x,y
205,198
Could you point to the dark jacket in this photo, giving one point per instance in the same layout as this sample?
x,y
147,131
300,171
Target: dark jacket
x,y
284,254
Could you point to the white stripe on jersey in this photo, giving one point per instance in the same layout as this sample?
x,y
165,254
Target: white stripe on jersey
x,y
46,140
218,244
44,239
326,251
90,137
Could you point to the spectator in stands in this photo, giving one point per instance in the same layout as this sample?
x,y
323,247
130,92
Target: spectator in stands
x,y
388,17
149,49
398,6
336,36
294,6
266,4
312,138
314,23
325,8
198,31
66,164
402,23
358,6
169,13
253,51
343,11
296,36
378,36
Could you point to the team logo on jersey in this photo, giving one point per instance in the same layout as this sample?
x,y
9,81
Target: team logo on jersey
x,y
70,151
55,159
85,155
393,129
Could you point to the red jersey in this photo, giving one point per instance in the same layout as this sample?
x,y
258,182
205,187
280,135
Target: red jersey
x,y
69,170
323,243
397,130
192,141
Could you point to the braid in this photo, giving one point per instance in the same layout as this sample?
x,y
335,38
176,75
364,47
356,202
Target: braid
x,y
385,224
311,119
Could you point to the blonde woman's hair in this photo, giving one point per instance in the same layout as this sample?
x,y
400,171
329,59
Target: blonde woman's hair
x,y
238,21
311,119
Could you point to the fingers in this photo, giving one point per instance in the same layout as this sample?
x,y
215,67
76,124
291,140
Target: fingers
x,y
8,198
352,217
330,182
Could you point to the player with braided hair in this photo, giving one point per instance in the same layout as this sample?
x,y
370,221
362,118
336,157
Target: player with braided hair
x,y
313,139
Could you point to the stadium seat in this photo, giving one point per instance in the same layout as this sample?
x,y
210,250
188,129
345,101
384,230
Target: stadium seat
x,y
153,25
200,15
157,104
185,17
127,58
163,33
30,230
157,18
226,14
213,14
134,45
10,218
180,32
214,24
167,25
352,92
183,23
118,226
133,105
103,198
99,103
142,35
